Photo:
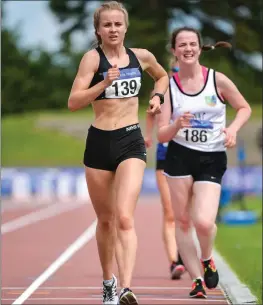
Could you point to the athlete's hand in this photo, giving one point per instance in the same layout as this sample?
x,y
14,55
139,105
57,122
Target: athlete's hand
x,y
148,142
231,137
184,120
155,105
112,74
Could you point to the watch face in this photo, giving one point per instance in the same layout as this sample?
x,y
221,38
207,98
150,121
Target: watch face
x,y
161,97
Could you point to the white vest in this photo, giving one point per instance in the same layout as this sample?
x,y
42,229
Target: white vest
x,y
209,116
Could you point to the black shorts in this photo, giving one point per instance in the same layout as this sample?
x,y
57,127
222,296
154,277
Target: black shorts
x,y
202,166
160,164
106,149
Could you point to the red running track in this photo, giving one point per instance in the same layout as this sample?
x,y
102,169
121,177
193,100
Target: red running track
x,y
30,276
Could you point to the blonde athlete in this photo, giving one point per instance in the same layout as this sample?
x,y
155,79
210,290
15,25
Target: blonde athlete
x,y
109,79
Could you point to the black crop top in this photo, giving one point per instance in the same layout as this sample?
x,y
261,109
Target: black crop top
x,y
129,82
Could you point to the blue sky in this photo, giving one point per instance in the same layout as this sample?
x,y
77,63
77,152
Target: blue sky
x,y
38,26
35,23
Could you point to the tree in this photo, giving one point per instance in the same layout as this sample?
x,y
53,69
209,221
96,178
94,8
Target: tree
x,y
30,78
236,21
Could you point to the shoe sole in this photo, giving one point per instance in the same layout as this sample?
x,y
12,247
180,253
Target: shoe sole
x,y
177,273
199,295
209,286
128,299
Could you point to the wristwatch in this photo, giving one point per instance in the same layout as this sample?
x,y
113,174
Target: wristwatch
x,y
161,96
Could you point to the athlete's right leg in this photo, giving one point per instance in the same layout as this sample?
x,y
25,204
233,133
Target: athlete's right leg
x,y
100,183
100,175
178,172
181,193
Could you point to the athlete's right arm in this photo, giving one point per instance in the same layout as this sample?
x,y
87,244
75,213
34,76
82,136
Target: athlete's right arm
x,y
167,130
81,95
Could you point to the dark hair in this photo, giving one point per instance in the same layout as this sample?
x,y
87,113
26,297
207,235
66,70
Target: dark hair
x,y
219,44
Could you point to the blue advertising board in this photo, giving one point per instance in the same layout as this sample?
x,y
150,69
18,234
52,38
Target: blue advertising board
x,y
70,181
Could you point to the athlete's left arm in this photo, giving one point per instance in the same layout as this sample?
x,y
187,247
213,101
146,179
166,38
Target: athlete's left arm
x,y
156,71
230,92
148,138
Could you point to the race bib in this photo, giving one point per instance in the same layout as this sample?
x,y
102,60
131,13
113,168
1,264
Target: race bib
x,y
127,85
204,124
195,135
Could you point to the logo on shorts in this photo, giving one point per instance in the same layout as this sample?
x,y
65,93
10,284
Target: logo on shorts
x,y
132,127
211,100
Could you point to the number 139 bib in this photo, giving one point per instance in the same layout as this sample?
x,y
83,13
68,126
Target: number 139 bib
x,y
127,85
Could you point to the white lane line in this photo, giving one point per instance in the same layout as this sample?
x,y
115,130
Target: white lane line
x,y
99,288
203,301
84,238
36,216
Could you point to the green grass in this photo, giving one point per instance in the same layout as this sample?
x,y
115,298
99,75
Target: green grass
x,y
256,112
25,145
241,246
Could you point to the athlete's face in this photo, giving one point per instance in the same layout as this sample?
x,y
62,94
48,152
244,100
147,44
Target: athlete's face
x,y
187,48
112,27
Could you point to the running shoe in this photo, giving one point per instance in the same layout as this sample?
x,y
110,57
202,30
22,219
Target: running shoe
x,y
176,270
211,276
110,296
127,297
198,290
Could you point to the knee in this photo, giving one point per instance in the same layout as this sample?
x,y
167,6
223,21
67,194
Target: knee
x,y
106,222
183,222
125,222
205,227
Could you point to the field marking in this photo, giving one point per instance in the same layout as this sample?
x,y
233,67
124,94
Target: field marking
x,y
84,238
141,299
99,288
36,292
39,215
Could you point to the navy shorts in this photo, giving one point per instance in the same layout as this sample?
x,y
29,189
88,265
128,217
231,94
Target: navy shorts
x,y
106,149
161,151
202,166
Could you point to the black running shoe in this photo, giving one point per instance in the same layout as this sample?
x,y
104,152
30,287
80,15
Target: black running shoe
x,y
198,290
127,297
211,276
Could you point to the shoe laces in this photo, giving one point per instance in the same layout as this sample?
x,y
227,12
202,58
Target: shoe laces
x,y
197,282
109,292
210,264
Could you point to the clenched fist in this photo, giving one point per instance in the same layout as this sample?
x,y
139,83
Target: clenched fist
x,y
155,106
112,74
184,120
